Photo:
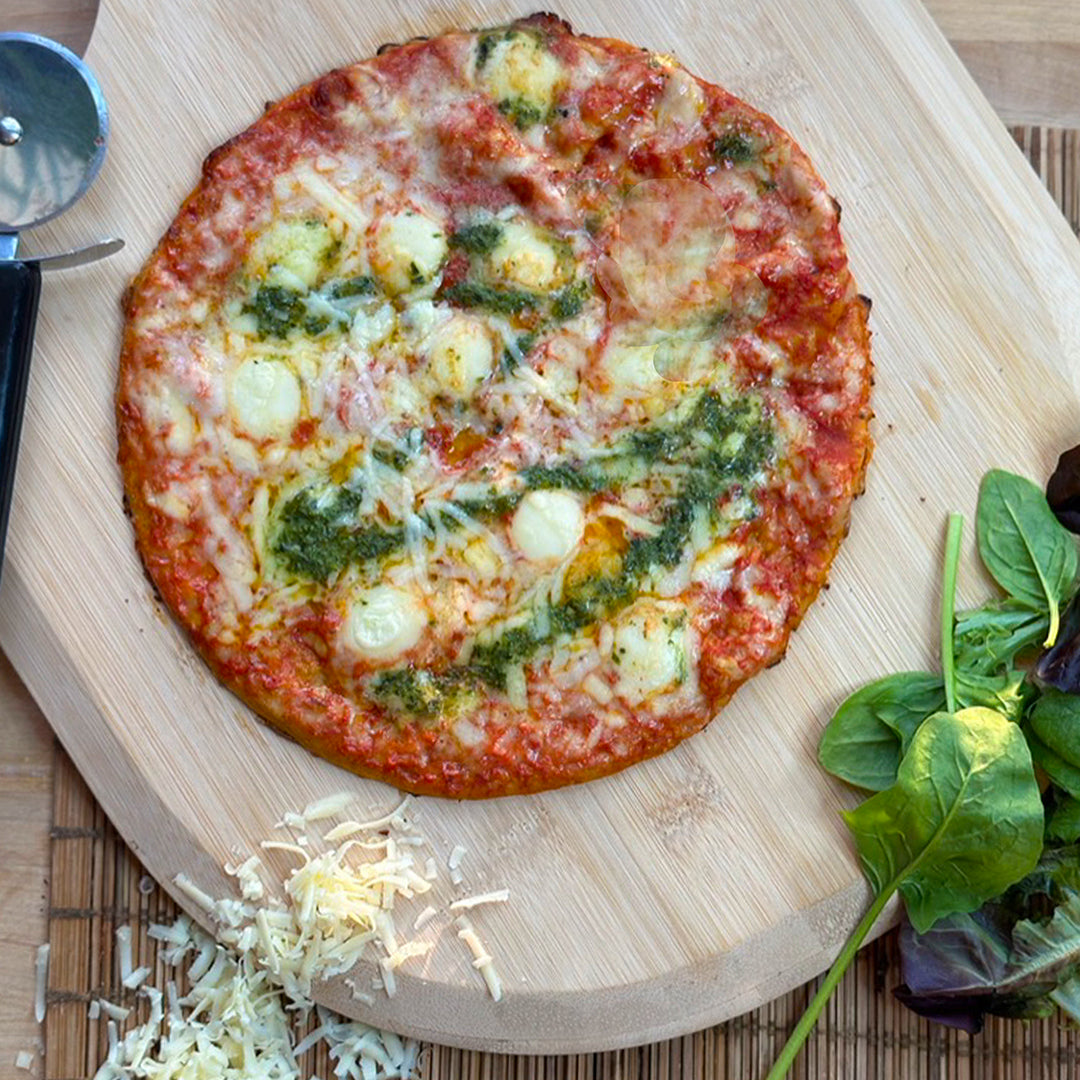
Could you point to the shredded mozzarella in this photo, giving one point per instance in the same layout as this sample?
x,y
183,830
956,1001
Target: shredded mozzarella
x,y
481,957
337,910
41,976
497,896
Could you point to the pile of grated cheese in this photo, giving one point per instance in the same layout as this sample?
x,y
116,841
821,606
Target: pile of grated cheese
x,y
249,986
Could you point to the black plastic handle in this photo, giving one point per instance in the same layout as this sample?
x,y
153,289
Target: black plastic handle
x,y
20,287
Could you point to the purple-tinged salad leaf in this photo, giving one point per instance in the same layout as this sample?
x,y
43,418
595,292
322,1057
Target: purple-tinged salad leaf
x,y
1063,490
1059,666
1017,956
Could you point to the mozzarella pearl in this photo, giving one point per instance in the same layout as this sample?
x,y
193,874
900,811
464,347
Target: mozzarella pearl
x,y
525,259
293,251
264,398
383,622
547,526
521,67
650,653
461,356
407,249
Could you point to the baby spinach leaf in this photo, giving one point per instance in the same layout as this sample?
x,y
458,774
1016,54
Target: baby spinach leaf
x,y
1026,549
1009,693
1065,775
992,636
1063,819
1055,721
870,732
963,821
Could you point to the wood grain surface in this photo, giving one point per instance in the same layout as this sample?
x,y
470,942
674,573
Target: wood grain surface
x,y
1025,55
26,757
692,887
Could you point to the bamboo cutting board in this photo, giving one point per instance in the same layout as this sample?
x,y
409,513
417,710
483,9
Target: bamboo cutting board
x,y
690,888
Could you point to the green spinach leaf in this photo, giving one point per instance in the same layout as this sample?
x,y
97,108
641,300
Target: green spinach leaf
x,y
1065,775
1010,692
1063,819
871,731
1055,721
992,636
1027,550
963,821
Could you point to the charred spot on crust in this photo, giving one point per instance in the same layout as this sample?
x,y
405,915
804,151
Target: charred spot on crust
x,y
328,94
866,302
836,206
546,20
388,45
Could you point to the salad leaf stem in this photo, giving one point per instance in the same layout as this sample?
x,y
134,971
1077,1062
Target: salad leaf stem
x,y
809,1018
948,608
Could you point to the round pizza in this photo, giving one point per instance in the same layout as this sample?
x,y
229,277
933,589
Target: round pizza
x,y
493,408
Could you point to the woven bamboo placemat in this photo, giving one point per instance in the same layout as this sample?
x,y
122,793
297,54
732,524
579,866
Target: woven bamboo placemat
x,y
97,884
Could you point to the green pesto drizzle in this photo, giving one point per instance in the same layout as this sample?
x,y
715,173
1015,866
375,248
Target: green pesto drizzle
x,y
733,146
722,443
480,238
278,311
521,112
501,301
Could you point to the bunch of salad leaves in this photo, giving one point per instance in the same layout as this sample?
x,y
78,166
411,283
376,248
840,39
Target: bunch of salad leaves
x,y
974,775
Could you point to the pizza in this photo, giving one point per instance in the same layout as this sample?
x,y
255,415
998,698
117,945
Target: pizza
x,y
494,407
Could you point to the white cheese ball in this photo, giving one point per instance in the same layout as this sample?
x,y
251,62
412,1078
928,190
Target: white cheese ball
x,y
383,622
547,526
371,328
519,67
407,249
525,259
649,653
264,398
460,356
292,252
631,369
682,101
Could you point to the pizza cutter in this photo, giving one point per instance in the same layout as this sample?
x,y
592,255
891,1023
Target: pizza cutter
x,y
53,130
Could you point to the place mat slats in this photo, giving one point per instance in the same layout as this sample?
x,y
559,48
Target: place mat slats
x,y
97,884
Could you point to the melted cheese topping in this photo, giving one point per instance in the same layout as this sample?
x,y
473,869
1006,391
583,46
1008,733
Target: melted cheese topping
x,y
407,249
547,526
383,622
264,398
484,406
519,67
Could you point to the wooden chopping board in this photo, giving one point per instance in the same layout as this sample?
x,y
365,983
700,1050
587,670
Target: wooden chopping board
x,y
690,888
